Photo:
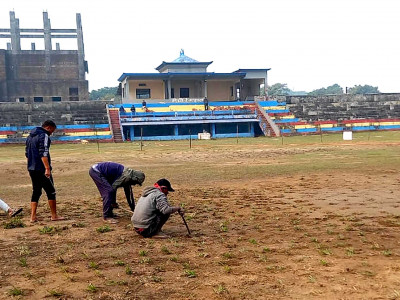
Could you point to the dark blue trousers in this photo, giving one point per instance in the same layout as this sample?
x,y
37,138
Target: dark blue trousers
x,y
106,191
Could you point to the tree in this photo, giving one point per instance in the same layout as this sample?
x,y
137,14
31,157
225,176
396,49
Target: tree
x,y
278,89
106,93
334,89
363,89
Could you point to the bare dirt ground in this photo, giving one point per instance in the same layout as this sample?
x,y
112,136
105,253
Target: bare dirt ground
x,y
307,221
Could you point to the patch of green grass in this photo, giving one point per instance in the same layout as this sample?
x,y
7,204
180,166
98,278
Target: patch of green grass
x,y
92,288
120,263
174,258
350,251
165,250
23,262
55,293
103,229
145,260
128,270
142,253
253,241
387,252
325,251
220,289
15,292
190,273
224,226
227,255
47,230
93,265
266,250
227,269
323,262
14,223
156,278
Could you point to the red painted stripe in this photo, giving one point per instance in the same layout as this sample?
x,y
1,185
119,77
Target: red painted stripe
x,y
8,132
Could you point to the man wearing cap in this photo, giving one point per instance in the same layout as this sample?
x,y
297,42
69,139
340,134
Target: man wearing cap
x,y
108,177
153,210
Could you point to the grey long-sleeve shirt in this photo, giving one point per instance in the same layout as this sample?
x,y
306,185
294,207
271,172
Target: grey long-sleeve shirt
x,y
151,202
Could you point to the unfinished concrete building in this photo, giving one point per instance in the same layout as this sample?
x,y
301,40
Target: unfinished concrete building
x,y
42,75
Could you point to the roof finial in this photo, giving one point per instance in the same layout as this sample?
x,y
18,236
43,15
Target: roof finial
x,y
182,53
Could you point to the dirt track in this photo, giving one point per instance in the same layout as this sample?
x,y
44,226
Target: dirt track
x,y
296,222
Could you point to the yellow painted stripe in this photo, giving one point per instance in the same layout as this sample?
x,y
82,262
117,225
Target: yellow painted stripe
x,y
326,125
3,136
274,107
288,117
88,133
303,126
387,123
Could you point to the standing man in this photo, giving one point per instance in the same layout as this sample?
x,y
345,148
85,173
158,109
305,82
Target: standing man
x,y
205,100
108,177
144,105
39,168
153,210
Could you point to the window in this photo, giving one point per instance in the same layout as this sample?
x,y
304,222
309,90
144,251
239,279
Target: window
x,y
231,91
21,99
142,84
172,93
56,99
142,93
37,99
184,93
73,94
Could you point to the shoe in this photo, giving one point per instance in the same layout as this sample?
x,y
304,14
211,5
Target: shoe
x,y
161,235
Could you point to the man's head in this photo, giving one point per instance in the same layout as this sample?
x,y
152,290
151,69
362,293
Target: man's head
x,y
49,125
164,185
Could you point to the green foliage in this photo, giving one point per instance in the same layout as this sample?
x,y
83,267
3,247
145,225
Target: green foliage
x,y
15,292
334,89
103,229
363,89
278,89
47,230
14,223
105,93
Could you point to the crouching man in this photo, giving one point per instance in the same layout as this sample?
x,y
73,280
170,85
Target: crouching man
x,y
153,210
108,177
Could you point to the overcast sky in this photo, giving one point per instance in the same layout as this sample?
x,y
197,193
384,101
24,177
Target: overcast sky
x,y
308,44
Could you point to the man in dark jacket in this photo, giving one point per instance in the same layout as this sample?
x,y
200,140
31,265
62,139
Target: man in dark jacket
x,y
153,210
39,168
108,177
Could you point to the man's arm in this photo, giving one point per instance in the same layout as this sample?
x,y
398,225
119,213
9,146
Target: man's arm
x,y
45,161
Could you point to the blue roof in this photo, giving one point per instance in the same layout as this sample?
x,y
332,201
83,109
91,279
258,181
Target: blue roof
x,y
205,75
183,59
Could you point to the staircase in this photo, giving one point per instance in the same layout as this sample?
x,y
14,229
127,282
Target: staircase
x,y
267,125
115,124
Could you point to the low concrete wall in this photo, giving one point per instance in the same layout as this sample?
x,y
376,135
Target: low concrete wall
x,y
343,107
63,113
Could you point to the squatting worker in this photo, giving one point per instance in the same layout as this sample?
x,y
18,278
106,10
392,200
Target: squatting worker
x,y
39,167
153,210
108,177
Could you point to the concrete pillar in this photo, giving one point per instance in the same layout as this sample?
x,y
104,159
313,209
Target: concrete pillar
x,y
58,46
127,95
176,131
213,129
33,46
131,133
169,88
81,48
9,46
265,84
205,89
15,33
47,32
